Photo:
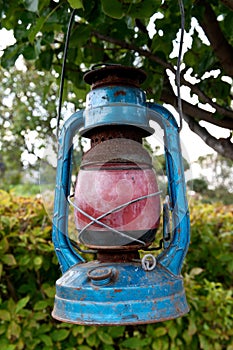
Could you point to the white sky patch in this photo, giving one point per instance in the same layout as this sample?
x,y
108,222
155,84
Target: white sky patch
x,y
19,64
202,36
151,26
227,79
6,39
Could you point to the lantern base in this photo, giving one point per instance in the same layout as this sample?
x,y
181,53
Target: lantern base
x,y
97,293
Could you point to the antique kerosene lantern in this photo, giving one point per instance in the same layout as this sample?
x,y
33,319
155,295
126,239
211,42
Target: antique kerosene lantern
x,y
117,209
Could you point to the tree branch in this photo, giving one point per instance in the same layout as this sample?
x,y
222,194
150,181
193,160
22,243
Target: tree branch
x,y
221,146
145,53
228,3
193,111
132,47
205,99
222,49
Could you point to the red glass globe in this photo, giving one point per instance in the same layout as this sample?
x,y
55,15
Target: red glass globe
x,y
104,189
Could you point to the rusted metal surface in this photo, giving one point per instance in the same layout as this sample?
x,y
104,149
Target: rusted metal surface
x,y
121,150
120,92
123,248
109,132
115,289
128,295
116,99
115,75
120,256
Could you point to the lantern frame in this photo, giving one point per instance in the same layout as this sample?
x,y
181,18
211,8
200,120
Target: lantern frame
x,y
122,293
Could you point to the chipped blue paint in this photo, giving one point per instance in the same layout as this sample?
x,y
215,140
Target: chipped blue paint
x,y
128,295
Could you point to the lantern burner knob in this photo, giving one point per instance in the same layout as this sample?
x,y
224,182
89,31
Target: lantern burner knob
x,y
100,275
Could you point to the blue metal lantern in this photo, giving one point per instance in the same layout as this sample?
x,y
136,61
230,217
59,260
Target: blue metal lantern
x,y
117,209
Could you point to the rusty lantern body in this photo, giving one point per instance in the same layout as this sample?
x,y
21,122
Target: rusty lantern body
x,y
117,209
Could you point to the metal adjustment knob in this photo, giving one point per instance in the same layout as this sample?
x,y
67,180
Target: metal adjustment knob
x,y
100,275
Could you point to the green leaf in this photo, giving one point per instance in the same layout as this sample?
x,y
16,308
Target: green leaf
x,y
41,305
76,4
36,28
113,8
160,331
144,9
88,331
229,267
31,5
46,339
28,52
39,316
11,306
172,331
60,334
131,343
78,330
4,245
210,333
158,345
8,347
192,329
9,259
44,328
13,330
43,4
5,315
92,340
22,303
108,347
10,55
24,260
79,35
105,338
3,328
46,59
117,331
187,337
5,198
38,261
204,343
49,291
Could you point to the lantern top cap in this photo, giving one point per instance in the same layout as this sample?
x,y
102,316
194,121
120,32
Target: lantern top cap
x,y
114,74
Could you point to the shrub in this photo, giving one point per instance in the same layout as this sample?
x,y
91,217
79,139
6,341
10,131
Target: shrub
x,y
29,269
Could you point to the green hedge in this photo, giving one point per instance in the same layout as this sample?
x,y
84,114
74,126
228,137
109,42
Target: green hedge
x,y
29,269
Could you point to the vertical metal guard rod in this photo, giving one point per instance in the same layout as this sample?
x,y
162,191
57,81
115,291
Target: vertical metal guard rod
x,y
66,255
172,257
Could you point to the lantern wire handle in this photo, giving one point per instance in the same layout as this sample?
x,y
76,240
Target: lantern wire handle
x,y
63,71
96,220
121,207
177,76
101,223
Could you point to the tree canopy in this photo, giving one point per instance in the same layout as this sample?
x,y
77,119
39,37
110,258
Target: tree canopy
x,y
141,33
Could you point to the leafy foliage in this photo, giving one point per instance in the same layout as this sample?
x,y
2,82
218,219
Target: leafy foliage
x,y
216,181
28,270
115,31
